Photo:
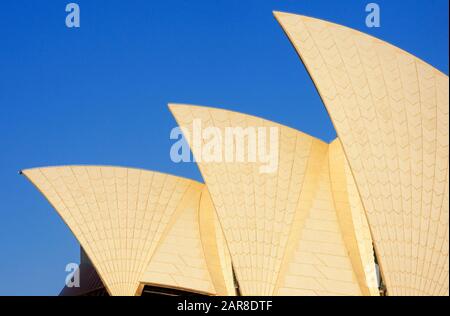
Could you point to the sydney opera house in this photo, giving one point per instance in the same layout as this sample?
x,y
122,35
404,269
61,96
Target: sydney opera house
x,y
364,215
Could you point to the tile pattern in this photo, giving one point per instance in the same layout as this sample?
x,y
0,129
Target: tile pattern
x,y
390,110
216,249
121,215
319,263
179,260
269,219
352,219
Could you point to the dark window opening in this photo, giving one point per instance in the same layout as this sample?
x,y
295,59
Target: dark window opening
x,y
150,290
381,285
236,283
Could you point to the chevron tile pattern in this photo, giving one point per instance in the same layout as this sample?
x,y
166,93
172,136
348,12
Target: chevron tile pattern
x,y
390,110
255,211
179,261
319,263
352,219
131,223
274,222
215,247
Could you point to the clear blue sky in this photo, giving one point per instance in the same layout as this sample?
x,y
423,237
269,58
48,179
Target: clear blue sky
x,y
99,94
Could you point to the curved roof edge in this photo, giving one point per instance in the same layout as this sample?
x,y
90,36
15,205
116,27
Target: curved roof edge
x,y
174,106
22,172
